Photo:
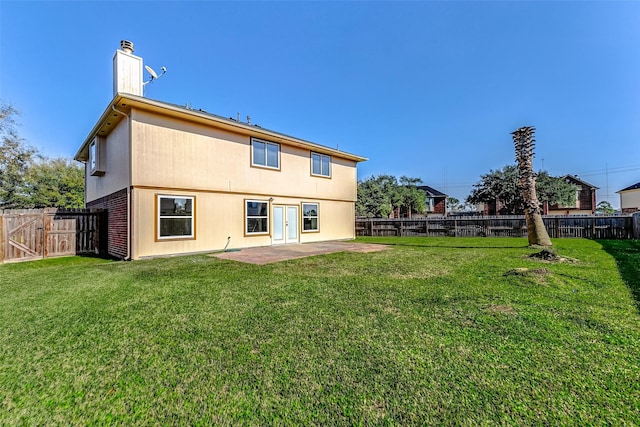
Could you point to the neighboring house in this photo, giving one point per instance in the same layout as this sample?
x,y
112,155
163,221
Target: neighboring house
x,y
436,205
494,207
436,201
630,198
176,180
585,201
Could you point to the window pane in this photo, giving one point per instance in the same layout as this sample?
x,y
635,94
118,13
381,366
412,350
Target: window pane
x,y
257,225
175,227
316,167
92,155
258,153
272,155
177,206
326,171
310,224
309,209
257,208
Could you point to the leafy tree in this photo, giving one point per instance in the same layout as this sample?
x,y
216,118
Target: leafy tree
x,y
27,179
15,160
454,204
605,208
502,184
411,197
55,183
375,196
379,196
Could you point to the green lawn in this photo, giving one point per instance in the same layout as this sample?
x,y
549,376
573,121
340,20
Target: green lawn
x,y
431,331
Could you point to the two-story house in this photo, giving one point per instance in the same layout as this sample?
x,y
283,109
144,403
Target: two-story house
x,y
176,180
585,201
630,198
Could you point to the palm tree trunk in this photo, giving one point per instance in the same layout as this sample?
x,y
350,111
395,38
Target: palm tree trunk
x,y
524,143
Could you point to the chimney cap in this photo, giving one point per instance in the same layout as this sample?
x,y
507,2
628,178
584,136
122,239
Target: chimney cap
x,y
126,46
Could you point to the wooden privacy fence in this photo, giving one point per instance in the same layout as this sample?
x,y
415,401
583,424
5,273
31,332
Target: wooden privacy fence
x,y
28,234
590,227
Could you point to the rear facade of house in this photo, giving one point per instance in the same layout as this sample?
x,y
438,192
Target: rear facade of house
x,y
176,180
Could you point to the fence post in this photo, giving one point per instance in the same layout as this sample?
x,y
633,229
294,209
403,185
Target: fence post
x,y
636,225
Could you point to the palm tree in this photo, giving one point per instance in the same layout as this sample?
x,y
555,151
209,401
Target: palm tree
x,y
524,142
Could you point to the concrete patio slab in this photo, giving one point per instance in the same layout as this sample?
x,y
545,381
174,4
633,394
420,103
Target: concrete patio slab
x,y
269,254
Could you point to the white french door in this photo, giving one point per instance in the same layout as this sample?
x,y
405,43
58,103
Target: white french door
x,y
285,224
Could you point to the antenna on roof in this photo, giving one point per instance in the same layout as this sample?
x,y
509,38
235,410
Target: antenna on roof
x,y
154,75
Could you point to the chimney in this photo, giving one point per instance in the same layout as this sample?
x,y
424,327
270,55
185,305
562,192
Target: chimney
x,y
127,70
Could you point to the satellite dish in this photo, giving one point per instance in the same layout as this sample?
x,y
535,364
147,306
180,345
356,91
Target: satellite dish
x,y
154,75
150,70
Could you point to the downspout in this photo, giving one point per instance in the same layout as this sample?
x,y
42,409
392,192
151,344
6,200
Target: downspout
x,y
128,257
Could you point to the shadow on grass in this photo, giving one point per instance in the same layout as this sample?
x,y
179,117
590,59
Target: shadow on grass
x,y
627,256
420,245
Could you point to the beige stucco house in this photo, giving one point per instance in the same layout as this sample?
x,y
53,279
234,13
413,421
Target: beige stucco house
x,y
176,180
630,198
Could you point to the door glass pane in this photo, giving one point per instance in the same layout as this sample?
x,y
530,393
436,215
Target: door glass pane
x,y
277,223
292,220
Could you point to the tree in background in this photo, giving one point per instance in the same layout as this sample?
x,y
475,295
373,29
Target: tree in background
x,y
502,185
524,142
454,205
411,197
15,160
27,179
605,208
379,196
55,183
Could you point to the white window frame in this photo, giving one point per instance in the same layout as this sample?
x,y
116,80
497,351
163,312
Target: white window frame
x,y
431,204
96,156
266,144
321,157
160,217
246,218
316,216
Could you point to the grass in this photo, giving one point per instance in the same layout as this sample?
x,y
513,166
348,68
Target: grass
x,y
432,331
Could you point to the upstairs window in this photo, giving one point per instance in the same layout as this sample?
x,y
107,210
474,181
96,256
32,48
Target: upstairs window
x,y
176,217
265,154
431,203
96,156
320,165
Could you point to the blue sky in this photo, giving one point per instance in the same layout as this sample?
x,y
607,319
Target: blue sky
x,y
423,89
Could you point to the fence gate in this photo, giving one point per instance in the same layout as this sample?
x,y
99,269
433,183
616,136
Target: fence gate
x,y
24,236
29,234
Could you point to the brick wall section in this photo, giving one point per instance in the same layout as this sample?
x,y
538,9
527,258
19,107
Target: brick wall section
x,y
116,207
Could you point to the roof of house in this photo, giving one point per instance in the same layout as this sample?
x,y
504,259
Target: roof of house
x,y
431,192
578,180
635,186
122,104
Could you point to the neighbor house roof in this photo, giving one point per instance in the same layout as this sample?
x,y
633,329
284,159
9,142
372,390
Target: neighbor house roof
x,y
576,179
123,103
635,186
431,192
